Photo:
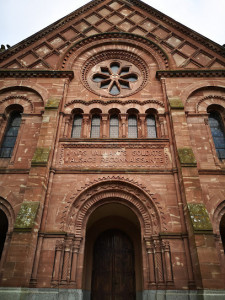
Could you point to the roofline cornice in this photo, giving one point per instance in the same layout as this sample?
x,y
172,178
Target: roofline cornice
x,y
35,74
189,73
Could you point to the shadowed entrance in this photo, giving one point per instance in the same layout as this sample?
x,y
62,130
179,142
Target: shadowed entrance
x,y
113,276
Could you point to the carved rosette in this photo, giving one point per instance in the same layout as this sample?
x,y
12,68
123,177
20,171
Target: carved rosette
x,y
114,73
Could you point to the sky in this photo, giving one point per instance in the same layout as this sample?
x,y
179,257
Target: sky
x,y
22,18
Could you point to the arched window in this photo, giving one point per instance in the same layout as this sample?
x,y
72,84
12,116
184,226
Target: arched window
x,y
132,126
151,126
222,231
95,126
11,133
217,130
77,126
114,127
3,230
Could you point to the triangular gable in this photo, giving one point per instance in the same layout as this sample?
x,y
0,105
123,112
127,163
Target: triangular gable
x,y
44,49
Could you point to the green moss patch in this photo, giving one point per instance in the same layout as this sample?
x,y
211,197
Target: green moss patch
x,y
26,217
199,217
40,157
187,157
176,103
52,103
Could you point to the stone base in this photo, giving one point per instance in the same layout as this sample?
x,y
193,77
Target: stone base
x,y
72,294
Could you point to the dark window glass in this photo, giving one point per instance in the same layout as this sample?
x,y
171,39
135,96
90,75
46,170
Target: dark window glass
x,y
217,131
222,231
77,125
114,127
95,127
10,136
151,127
132,127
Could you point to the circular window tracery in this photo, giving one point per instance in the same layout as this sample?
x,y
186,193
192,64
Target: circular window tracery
x,y
108,76
115,77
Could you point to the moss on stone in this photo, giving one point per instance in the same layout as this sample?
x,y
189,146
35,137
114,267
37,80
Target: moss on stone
x,y
26,217
199,217
186,157
176,103
40,157
52,103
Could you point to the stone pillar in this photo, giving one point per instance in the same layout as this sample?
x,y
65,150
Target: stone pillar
x,y
124,122
58,254
104,125
67,121
142,118
151,261
86,120
76,248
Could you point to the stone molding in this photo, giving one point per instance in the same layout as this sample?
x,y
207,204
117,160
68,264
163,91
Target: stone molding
x,y
36,74
190,73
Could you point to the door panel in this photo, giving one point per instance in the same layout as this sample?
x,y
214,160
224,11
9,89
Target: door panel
x,y
113,276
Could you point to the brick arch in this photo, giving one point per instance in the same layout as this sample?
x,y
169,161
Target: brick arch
x,y
122,105
6,207
115,38
217,216
188,92
205,102
23,98
145,205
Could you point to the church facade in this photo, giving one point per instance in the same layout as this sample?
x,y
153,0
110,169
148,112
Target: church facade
x,y
112,159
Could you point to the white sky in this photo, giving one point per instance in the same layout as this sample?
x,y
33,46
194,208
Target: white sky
x,y
22,18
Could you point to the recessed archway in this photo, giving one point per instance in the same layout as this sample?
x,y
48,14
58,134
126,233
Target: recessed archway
x,y
110,222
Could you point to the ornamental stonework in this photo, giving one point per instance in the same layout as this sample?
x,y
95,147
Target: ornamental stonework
x,y
115,74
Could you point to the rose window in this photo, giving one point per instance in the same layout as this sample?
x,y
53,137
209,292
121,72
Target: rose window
x,y
115,77
114,74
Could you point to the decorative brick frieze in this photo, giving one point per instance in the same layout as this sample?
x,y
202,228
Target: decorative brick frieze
x,y
35,74
187,158
199,217
25,219
40,157
190,73
176,103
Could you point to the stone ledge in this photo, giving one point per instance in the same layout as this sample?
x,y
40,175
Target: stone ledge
x,y
52,103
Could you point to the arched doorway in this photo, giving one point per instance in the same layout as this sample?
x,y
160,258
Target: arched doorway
x,y
113,273
3,230
113,254
222,231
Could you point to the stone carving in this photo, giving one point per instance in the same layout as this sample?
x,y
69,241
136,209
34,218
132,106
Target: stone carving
x,y
80,204
109,73
176,103
109,155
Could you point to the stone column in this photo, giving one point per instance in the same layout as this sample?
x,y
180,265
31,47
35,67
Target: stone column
x,y
67,121
151,261
76,248
124,122
58,254
104,125
168,265
86,120
142,118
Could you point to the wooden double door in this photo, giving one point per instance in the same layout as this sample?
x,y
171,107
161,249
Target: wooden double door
x,y
113,275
